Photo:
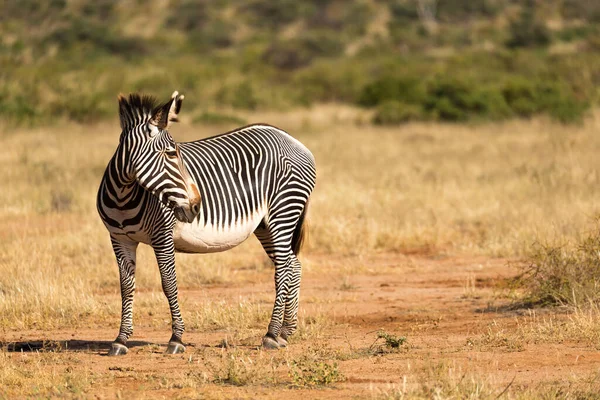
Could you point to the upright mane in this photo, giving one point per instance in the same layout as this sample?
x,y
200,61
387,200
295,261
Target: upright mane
x,y
135,108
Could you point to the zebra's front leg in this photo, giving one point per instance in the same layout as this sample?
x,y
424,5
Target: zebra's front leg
x,y
165,256
125,253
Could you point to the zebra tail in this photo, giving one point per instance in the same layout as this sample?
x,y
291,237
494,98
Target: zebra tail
x,y
300,232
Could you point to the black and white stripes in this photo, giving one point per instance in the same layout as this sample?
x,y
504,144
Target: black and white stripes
x,y
205,196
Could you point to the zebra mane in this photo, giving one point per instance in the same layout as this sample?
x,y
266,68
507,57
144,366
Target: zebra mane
x,y
136,108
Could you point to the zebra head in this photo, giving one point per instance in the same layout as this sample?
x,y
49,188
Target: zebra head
x,y
151,157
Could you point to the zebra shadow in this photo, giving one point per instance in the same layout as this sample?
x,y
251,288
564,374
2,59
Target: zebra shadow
x,y
63,346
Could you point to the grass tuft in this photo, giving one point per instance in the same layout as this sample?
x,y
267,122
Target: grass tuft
x,y
307,371
390,342
568,274
242,368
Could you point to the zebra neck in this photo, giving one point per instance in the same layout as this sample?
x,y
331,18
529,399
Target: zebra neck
x,y
119,186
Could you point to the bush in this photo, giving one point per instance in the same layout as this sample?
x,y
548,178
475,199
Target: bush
x,y
393,112
527,98
451,99
17,109
407,89
470,96
521,96
564,274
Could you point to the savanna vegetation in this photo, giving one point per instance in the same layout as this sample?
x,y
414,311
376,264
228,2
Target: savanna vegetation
x,y
458,60
453,247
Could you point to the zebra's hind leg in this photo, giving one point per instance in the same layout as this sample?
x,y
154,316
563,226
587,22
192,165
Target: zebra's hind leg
x,y
125,254
287,289
164,250
290,316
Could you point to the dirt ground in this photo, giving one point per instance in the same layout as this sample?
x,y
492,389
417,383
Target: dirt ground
x,y
444,306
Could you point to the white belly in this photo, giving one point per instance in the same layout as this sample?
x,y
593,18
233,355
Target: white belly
x,y
200,238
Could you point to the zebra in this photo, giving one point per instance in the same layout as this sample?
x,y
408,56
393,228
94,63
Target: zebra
x,y
204,196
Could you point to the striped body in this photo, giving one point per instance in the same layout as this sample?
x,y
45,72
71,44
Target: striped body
x,y
234,173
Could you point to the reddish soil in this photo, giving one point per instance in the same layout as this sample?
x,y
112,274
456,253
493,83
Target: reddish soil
x,y
425,299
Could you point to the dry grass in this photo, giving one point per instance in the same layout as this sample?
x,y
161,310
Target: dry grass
x,y
581,326
42,375
450,381
493,189
489,190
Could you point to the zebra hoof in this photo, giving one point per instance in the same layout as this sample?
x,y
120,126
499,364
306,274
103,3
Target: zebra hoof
x,y
117,349
175,348
282,342
269,343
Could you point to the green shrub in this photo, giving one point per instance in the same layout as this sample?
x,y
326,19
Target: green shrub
x,y
407,89
493,104
451,99
521,96
527,98
17,109
393,112
392,342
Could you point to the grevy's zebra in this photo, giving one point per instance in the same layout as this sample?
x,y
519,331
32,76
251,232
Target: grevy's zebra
x,y
204,196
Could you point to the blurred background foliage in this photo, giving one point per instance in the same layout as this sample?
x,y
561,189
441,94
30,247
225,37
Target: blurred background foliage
x,y
444,60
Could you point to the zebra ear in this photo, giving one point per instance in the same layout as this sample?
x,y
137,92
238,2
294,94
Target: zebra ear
x,y
124,114
176,102
167,113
